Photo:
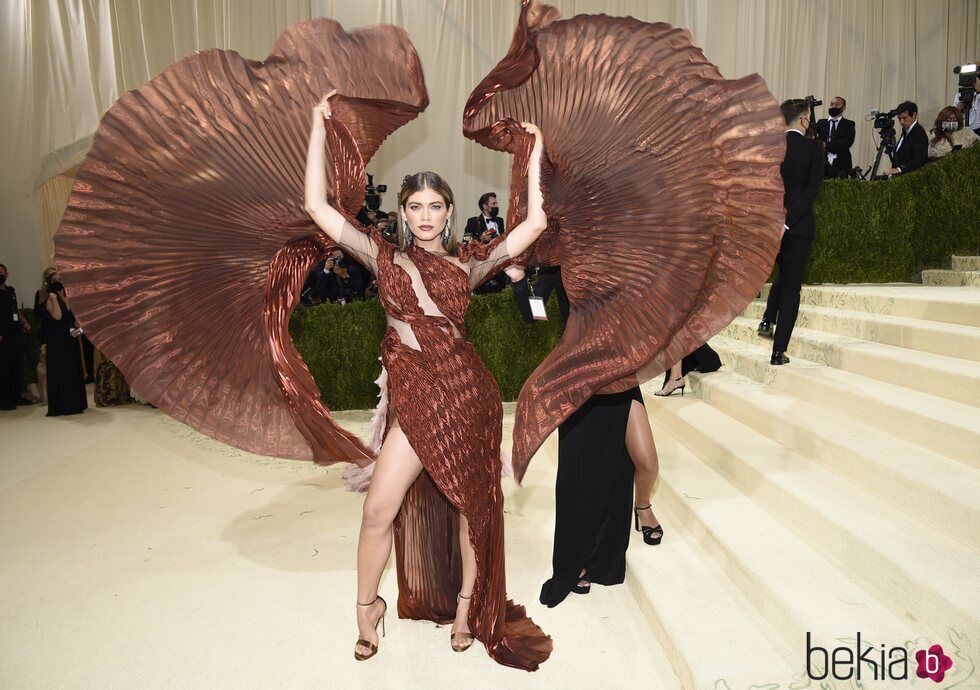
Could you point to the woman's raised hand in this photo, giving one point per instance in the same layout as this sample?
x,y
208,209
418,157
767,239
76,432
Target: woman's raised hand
x,y
532,128
321,111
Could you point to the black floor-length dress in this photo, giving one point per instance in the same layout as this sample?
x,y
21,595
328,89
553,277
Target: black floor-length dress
x,y
593,496
66,383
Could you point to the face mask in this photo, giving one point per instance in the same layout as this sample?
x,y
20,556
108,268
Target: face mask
x,y
834,112
951,126
56,286
494,211
3,279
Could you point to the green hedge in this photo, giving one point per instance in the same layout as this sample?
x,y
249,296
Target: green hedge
x,y
888,231
341,345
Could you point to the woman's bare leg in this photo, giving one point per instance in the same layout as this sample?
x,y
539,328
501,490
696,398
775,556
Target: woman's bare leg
x,y
468,557
397,468
643,451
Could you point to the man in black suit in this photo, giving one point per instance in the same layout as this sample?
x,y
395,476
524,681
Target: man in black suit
x,y
484,228
837,133
802,172
912,149
487,225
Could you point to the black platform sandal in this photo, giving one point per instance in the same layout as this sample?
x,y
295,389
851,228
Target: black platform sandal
x,y
651,535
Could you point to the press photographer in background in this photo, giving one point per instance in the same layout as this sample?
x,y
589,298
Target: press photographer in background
x,y
967,101
912,149
837,133
949,134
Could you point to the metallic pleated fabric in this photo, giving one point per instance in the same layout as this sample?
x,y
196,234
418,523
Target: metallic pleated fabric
x,y
448,405
662,189
185,244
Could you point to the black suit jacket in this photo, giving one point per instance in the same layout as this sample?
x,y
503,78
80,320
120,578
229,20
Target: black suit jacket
x,y
840,145
802,172
477,225
914,150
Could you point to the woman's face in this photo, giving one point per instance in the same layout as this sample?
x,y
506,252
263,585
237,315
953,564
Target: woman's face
x,y
426,212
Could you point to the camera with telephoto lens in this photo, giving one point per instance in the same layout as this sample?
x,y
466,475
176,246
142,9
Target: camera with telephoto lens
x,y
968,75
372,193
885,124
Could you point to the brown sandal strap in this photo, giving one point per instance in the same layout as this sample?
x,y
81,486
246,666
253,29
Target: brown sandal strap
x,y
364,643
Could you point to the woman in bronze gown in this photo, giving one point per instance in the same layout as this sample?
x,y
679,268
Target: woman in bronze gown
x,y
185,247
435,379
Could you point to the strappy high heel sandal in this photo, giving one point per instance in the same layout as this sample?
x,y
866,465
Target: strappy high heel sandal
x,y
370,645
651,535
671,386
460,637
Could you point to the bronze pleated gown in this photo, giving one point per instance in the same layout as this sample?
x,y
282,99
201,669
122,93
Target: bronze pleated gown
x,y
435,381
185,246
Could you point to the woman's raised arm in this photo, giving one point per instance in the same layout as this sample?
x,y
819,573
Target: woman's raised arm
x,y
323,214
524,235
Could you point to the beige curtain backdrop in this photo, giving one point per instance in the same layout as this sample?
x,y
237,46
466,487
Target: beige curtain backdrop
x,y
64,62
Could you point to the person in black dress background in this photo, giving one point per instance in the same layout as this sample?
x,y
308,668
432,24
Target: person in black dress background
x,y
12,330
66,384
606,453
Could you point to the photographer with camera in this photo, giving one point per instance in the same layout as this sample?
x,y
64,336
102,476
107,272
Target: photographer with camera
x,y
837,133
966,101
912,149
487,226
802,172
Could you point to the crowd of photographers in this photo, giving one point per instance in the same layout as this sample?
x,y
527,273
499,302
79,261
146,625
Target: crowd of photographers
x,y
907,146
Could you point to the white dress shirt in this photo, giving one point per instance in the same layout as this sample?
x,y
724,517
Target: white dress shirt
x,y
832,125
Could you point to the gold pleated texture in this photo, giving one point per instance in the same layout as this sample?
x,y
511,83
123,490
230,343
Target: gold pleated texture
x,y
662,189
174,245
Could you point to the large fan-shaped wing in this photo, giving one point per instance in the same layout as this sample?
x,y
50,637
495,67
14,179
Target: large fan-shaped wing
x,y
174,245
662,189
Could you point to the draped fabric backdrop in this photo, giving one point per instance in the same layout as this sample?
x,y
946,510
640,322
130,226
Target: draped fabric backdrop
x,y
64,62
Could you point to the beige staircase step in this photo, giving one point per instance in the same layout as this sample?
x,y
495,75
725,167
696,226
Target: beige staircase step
x,y
791,586
714,638
947,427
910,300
917,572
928,486
947,377
966,263
952,278
950,340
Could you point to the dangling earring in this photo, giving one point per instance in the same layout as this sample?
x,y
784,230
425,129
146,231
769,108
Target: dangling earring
x,y
447,232
409,236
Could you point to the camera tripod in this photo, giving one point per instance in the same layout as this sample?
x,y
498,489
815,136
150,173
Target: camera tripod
x,y
886,145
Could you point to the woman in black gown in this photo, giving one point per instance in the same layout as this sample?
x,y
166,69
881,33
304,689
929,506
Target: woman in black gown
x,y
66,384
606,453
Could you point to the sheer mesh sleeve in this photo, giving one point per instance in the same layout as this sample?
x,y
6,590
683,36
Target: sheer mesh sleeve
x,y
484,260
360,245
